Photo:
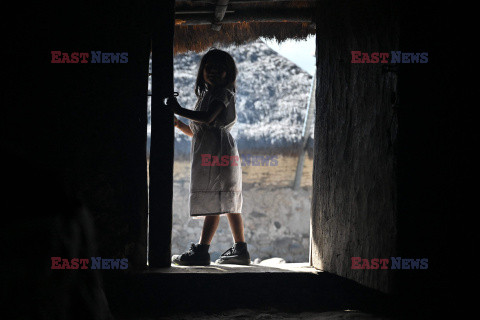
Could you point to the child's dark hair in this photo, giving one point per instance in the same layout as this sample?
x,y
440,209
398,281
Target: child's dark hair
x,y
218,56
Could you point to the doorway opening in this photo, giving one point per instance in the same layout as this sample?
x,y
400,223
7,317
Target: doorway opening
x,y
274,135
234,23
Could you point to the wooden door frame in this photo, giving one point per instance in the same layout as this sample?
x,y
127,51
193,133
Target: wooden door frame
x,y
162,136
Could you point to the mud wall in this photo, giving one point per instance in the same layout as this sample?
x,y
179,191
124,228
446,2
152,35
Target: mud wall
x,y
354,189
391,145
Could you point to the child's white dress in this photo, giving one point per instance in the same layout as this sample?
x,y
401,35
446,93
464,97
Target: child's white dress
x,y
215,189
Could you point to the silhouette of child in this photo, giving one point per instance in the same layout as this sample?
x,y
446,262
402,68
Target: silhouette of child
x,y
215,188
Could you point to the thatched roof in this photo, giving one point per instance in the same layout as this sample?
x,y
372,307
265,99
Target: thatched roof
x,y
200,24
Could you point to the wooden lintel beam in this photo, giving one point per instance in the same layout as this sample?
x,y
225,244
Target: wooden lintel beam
x,y
279,15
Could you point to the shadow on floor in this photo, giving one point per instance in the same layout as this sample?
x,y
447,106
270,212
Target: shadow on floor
x,y
169,291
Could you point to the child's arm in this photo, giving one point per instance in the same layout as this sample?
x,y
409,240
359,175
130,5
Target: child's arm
x,y
207,117
183,127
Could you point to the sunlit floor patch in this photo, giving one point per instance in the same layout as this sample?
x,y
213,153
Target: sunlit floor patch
x,y
232,268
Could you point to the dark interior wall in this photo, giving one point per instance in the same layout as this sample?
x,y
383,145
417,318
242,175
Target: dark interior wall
x,y
84,122
354,190
435,151
383,187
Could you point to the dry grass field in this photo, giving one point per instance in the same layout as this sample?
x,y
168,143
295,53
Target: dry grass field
x,y
281,175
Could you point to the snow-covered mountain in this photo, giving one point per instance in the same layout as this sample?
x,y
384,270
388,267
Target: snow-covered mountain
x,y
271,101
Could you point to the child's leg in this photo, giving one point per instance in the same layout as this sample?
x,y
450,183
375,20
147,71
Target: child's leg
x,y
236,225
238,253
210,225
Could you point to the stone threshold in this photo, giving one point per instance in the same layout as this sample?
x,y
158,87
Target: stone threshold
x,y
291,287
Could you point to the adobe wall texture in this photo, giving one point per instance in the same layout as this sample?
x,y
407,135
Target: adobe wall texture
x,y
354,189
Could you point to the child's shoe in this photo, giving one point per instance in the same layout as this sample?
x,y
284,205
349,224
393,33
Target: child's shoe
x,y
237,254
197,255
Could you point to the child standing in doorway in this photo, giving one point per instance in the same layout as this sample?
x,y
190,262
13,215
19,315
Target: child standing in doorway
x,y
215,188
